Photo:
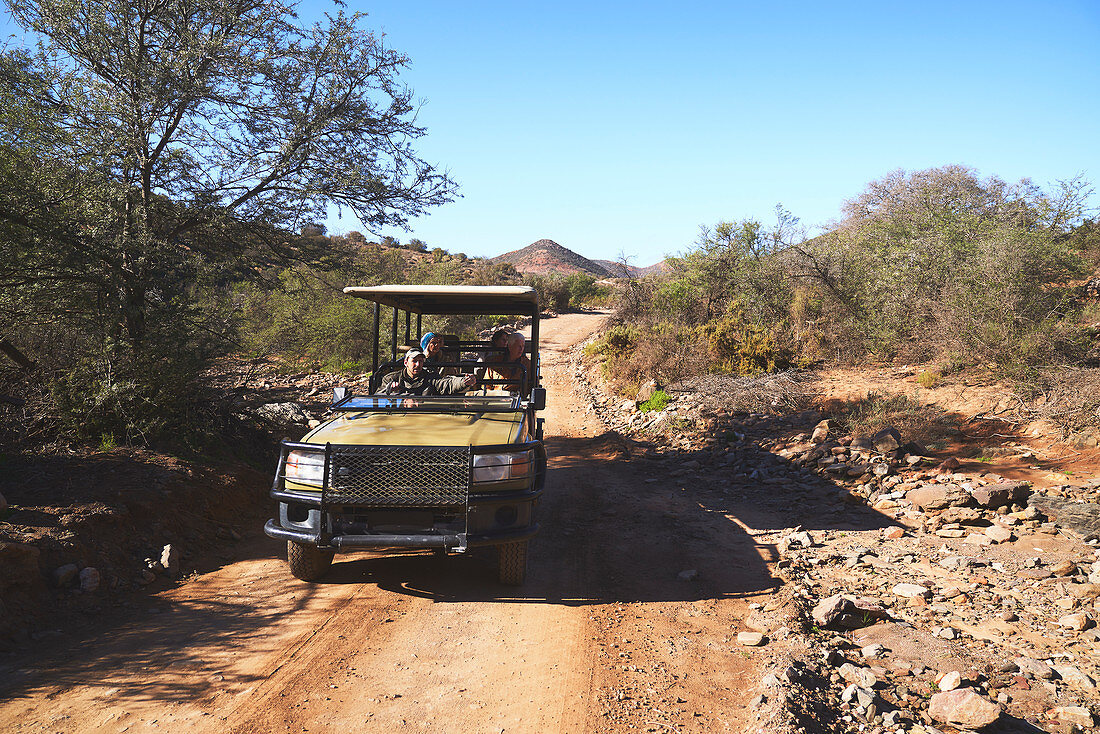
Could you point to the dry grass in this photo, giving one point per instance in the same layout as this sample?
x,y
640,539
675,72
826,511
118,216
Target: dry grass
x,y
1068,397
915,421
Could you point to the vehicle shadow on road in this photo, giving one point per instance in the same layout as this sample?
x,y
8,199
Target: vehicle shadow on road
x,y
167,648
619,527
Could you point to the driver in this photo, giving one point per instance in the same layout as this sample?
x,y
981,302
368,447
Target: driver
x,y
414,379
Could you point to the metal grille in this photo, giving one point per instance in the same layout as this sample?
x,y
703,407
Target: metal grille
x,y
404,476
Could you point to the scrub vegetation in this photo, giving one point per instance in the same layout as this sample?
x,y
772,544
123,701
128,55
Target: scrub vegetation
x,y
936,266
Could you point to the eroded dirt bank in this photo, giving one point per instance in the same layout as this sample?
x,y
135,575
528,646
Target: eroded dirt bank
x,y
638,586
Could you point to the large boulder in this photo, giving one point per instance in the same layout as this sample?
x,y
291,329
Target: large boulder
x,y
963,707
992,496
936,497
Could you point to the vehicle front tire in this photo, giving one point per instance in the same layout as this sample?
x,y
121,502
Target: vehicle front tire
x,y
307,562
512,560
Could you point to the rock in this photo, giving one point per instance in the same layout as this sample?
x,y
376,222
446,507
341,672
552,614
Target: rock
x,y
935,497
886,440
801,539
1034,668
821,432
147,576
750,639
908,591
1073,715
1064,568
687,575
1074,678
872,651
893,533
845,612
963,516
1082,518
64,575
999,534
963,707
992,496
170,560
1076,622
645,392
281,413
949,681
948,465
89,579
858,695
862,677
978,539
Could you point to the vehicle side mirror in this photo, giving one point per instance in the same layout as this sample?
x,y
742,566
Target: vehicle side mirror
x,y
538,398
338,394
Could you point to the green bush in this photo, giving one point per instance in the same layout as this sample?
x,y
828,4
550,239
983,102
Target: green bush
x,y
658,401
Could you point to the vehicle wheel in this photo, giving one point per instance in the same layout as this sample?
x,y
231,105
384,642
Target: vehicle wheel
x,y
513,563
307,562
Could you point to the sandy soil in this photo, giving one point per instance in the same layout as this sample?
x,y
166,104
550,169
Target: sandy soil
x,y
607,634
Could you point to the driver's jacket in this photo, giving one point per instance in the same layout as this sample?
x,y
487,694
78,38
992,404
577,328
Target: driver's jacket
x,y
429,383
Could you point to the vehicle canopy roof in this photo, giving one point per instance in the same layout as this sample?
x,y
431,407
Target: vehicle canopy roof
x,y
452,299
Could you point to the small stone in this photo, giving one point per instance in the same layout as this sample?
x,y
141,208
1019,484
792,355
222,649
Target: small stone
x,y
64,575
999,534
893,533
89,579
1073,715
170,560
1034,668
950,532
963,707
821,432
949,633
872,651
750,639
978,539
908,591
1009,616
1064,568
1077,622
949,681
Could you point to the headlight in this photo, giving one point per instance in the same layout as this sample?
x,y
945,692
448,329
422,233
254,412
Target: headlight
x,y
305,466
501,467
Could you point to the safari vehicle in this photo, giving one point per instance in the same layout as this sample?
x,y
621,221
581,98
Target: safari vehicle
x,y
448,473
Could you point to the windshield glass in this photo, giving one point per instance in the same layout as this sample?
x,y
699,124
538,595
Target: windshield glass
x,y
433,402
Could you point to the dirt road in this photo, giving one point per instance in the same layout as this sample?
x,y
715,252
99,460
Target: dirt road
x,y
635,595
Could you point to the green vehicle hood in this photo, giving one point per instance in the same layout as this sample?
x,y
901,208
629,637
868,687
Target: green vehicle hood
x,y
386,428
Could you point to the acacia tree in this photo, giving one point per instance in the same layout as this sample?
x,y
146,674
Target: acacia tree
x,y
148,136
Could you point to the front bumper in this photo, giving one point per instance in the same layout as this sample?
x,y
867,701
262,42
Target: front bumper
x,y
483,516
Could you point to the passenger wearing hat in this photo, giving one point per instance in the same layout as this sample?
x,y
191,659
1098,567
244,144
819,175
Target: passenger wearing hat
x,y
432,346
414,379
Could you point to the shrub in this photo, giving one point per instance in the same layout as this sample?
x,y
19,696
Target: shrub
x,y
658,401
927,378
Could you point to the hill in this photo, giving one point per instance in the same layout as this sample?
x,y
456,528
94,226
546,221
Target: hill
x,y
618,270
546,257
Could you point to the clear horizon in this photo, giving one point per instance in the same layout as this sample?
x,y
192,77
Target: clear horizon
x,y
621,128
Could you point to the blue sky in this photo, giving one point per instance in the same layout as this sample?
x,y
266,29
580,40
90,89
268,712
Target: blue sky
x,y
621,127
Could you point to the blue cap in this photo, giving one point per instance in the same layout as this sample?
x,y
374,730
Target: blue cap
x,y
425,339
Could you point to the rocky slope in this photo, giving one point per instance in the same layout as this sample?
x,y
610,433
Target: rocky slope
x,y
921,593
